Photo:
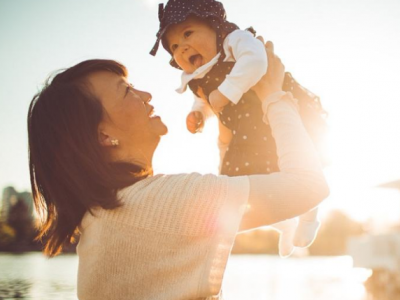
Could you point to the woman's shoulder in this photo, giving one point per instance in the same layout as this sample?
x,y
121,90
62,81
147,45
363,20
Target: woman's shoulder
x,y
172,181
174,190
171,203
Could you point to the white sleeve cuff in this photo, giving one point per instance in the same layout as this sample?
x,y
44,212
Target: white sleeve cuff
x,y
202,106
230,91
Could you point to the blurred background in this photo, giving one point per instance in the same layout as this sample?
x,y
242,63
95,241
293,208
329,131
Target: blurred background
x,y
344,51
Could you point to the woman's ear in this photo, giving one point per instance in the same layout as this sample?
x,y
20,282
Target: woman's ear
x,y
104,139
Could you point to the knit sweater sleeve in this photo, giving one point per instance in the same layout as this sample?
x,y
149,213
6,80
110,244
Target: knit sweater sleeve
x,y
300,185
187,204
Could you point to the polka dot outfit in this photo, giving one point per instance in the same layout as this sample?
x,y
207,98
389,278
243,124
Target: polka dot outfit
x,y
252,149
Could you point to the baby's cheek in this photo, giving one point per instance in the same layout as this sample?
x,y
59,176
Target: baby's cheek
x,y
178,60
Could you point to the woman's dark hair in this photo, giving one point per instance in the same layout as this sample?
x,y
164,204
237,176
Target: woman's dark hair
x,y
69,171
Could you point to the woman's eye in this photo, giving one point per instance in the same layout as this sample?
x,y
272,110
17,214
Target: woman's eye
x,y
129,88
133,90
187,33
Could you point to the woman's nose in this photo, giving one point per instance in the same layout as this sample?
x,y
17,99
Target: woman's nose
x,y
146,97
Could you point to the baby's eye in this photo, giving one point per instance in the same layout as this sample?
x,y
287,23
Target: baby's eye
x,y
173,47
187,33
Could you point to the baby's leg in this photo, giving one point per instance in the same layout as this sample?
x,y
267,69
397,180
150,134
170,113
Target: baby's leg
x,y
287,230
307,229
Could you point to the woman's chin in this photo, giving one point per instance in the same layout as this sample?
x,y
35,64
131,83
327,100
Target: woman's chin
x,y
165,130
159,126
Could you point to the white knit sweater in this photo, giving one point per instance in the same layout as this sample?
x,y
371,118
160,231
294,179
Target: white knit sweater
x,y
170,240
172,236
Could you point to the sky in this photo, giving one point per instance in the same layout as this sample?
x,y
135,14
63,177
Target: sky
x,y
347,52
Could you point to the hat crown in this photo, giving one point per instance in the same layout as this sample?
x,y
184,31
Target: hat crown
x,y
178,10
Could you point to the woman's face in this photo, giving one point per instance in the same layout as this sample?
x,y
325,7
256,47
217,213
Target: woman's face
x,y
192,43
129,116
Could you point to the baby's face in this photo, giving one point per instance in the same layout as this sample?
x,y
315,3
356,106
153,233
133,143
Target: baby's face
x,y
192,43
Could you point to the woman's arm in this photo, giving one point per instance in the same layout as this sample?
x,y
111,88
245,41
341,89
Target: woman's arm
x,y
300,185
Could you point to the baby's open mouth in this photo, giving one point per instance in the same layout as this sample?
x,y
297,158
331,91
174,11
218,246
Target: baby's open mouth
x,y
196,60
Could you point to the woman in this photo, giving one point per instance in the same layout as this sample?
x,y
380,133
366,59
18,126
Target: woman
x,y
92,137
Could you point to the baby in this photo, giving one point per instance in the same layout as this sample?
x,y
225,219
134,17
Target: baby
x,y
220,64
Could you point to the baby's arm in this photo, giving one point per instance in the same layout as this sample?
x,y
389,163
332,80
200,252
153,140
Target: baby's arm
x,y
251,64
200,112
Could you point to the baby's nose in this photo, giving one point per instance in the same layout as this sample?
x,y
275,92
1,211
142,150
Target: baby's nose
x,y
184,48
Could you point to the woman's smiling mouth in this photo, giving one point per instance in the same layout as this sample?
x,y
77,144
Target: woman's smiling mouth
x,y
151,112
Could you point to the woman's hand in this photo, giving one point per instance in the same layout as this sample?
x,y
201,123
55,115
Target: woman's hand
x,y
272,81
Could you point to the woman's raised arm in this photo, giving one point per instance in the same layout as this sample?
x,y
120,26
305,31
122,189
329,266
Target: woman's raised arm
x,y
300,185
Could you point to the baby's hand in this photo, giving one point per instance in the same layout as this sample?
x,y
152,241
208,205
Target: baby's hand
x,y
218,100
195,121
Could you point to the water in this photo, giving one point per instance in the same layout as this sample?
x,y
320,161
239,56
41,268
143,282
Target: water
x,y
267,277
33,276
255,277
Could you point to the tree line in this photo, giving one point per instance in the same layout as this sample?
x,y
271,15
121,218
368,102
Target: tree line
x,y
18,231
